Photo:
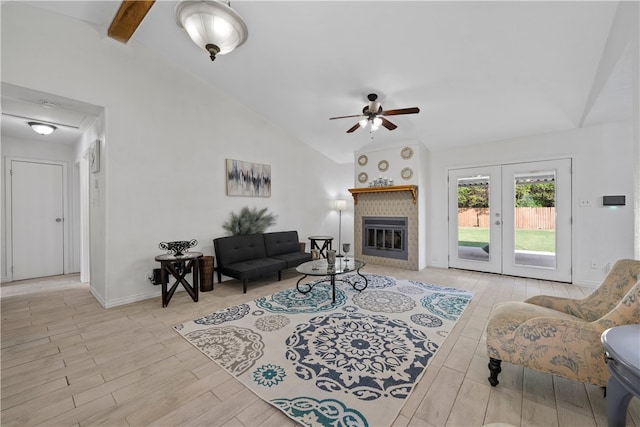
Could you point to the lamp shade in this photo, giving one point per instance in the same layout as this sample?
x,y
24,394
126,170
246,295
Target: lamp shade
x,y
341,205
212,25
42,128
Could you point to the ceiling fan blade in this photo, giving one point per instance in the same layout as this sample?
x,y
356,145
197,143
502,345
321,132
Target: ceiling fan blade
x,y
412,110
353,128
128,18
346,117
386,123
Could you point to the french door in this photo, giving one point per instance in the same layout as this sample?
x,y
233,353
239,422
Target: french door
x,y
512,219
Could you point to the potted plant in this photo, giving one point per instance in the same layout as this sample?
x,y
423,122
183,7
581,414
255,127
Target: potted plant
x,y
249,221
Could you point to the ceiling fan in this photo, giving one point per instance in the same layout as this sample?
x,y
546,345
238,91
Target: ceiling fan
x,y
374,114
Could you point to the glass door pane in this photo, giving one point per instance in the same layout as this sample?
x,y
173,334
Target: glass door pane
x,y
537,219
534,213
474,219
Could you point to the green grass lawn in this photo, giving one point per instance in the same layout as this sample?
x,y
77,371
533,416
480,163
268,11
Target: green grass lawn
x,y
528,240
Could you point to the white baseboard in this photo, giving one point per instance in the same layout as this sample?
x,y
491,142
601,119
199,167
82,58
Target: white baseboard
x,y
129,299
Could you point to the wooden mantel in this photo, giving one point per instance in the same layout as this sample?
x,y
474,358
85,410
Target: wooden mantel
x,y
355,191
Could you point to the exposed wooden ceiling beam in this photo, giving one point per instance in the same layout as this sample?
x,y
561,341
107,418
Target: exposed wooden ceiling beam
x,y
129,16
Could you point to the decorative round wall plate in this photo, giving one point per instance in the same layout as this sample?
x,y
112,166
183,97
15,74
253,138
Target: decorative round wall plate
x,y
362,160
406,173
363,177
406,153
383,165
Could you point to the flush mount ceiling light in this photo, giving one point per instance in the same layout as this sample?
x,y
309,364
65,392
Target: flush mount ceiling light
x,y
42,128
212,25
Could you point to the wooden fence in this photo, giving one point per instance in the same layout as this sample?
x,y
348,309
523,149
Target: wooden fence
x,y
526,218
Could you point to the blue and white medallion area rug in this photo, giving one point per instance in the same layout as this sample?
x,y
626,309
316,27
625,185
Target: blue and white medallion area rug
x,y
352,362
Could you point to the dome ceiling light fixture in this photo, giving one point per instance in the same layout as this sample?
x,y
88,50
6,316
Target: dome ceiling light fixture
x,y
42,128
212,25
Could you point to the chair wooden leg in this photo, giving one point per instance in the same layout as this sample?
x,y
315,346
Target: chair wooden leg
x,y
494,370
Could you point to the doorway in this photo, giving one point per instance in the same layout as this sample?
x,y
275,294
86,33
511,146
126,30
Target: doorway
x,y
36,218
512,219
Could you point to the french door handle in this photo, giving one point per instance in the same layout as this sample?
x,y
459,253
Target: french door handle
x,y
498,222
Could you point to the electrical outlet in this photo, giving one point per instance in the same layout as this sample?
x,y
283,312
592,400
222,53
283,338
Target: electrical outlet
x,y
585,203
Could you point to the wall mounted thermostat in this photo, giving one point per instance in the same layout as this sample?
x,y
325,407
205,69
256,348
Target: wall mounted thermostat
x,y
613,200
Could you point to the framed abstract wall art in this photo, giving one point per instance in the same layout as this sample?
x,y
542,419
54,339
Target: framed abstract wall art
x,y
248,179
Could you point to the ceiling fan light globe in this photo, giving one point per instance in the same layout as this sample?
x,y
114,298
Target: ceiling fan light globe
x,y
374,127
363,123
377,122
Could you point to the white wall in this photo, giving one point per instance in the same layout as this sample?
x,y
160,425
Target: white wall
x,y
602,165
166,138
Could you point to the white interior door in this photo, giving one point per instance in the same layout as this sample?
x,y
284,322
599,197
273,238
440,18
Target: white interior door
x,y
37,221
512,219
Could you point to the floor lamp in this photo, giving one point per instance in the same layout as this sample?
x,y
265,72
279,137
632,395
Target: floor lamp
x,y
340,206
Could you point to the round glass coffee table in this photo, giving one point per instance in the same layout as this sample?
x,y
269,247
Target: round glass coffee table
x,y
320,267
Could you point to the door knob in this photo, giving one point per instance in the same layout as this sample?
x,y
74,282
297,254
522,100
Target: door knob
x,y
498,222
58,219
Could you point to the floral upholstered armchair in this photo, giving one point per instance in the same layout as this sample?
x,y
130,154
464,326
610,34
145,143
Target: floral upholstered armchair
x,y
560,335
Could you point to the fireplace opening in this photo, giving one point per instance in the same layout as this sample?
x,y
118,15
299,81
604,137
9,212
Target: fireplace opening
x,y
385,237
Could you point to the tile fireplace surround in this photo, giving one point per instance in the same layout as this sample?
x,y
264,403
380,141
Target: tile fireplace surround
x,y
397,201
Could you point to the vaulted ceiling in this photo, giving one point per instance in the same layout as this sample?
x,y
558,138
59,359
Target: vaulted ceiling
x,y
478,71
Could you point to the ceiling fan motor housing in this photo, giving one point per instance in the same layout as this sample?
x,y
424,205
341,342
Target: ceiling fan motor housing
x,y
374,107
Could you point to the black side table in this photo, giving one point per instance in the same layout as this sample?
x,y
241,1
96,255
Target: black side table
x,y
190,261
326,244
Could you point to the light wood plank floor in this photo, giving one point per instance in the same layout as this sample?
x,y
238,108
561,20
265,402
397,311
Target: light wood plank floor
x,y
66,361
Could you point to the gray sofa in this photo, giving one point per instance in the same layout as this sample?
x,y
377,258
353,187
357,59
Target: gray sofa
x,y
251,256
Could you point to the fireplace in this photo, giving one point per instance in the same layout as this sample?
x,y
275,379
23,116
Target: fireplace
x,y
386,241
385,237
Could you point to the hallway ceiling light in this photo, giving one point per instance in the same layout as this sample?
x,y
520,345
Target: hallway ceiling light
x,y
42,128
212,25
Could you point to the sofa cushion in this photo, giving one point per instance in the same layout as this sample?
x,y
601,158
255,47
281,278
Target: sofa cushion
x,y
233,249
281,242
294,259
254,268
